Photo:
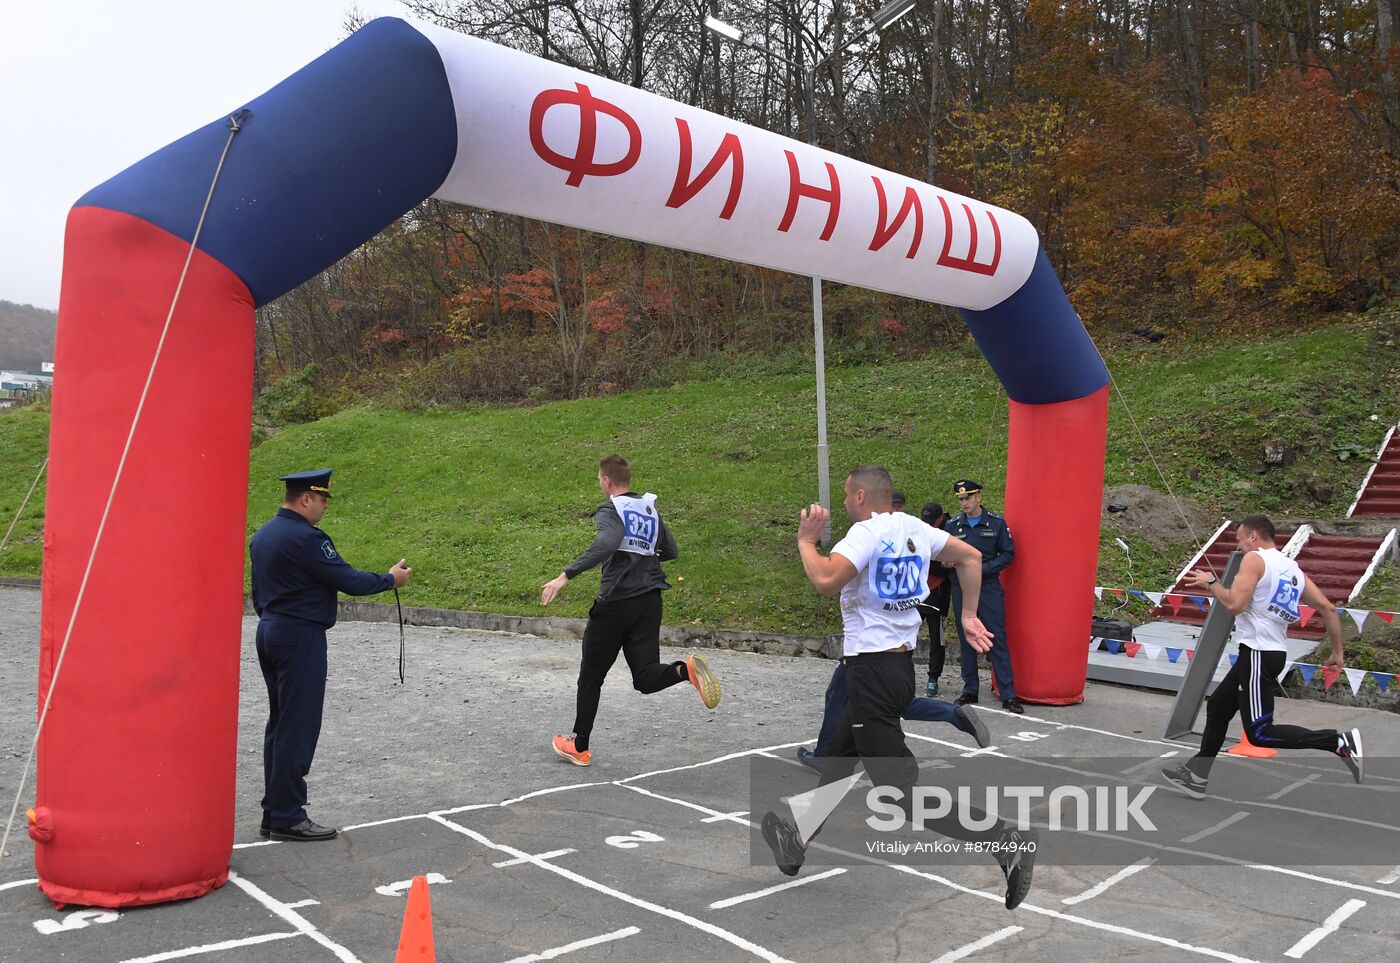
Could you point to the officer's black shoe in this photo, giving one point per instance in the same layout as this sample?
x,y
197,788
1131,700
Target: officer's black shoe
x,y
305,831
966,699
1014,705
781,836
809,759
265,829
1016,854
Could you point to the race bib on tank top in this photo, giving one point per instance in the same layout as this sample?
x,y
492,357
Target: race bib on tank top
x,y
641,525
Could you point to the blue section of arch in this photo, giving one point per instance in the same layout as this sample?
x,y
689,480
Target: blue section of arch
x,y
327,158
1036,343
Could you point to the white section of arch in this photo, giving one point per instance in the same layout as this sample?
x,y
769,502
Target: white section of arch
x,y
502,166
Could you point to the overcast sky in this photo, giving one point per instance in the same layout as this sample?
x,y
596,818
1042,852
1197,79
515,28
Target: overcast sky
x,y
88,87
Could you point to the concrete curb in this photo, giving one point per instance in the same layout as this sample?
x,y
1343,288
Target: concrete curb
x,y
552,627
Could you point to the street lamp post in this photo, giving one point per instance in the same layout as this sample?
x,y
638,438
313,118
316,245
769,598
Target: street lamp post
x,y
880,21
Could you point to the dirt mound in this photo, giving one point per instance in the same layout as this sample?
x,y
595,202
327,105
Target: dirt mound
x,y
1154,517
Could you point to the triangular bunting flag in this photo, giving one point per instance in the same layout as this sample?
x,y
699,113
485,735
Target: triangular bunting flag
x,y
1138,595
1199,601
1154,597
1330,676
1358,616
1098,591
1387,617
1153,652
1354,677
1114,645
1133,649
1305,614
1383,679
1190,654
1093,643
1287,668
1234,657
1175,602
1117,592
1173,654
1306,671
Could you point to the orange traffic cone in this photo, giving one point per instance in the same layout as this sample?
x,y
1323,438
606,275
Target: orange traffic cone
x,y
1249,749
416,939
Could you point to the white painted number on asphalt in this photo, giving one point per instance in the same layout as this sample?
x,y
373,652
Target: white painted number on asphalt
x,y
638,837
80,920
402,886
1028,736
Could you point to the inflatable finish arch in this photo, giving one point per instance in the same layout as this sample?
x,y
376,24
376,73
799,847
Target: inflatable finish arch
x,y
135,781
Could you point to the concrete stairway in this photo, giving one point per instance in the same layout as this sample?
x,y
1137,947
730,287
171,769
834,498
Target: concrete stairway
x,y
1379,496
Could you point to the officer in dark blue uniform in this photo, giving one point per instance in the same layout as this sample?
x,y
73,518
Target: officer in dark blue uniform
x,y
990,535
296,575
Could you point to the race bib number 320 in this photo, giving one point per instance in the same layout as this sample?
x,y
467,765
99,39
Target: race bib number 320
x,y
899,578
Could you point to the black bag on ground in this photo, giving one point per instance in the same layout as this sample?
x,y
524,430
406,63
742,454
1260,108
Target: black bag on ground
x,y
1111,629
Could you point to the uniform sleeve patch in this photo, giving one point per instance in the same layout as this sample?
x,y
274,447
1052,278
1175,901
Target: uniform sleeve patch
x,y
327,549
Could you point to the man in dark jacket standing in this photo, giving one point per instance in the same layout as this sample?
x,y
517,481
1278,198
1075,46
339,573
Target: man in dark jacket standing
x,y
990,535
631,544
296,575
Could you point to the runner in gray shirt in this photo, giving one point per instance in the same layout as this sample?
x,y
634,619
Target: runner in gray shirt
x,y
631,544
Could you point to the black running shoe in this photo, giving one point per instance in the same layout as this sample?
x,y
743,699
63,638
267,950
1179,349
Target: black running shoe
x,y
1016,854
1350,752
966,699
1184,780
974,721
781,837
1014,705
809,759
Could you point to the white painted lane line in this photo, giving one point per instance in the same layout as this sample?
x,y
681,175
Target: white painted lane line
x,y
285,912
1071,918
18,883
1328,927
981,944
712,762
211,948
1294,785
382,822
962,749
1068,725
1117,877
302,904
581,944
736,900
532,859
548,792
1168,755
1212,830
787,759
705,927
265,842
404,885
722,817
715,815
1391,877
1024,907
460,809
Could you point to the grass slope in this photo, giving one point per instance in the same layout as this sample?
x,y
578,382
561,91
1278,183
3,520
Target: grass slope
x,y
489,504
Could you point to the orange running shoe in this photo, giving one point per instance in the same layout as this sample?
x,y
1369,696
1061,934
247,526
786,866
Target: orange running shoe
x,y
564,746
704,679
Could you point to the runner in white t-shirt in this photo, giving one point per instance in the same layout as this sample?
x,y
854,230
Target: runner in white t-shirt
x,y
1265,596
879,570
